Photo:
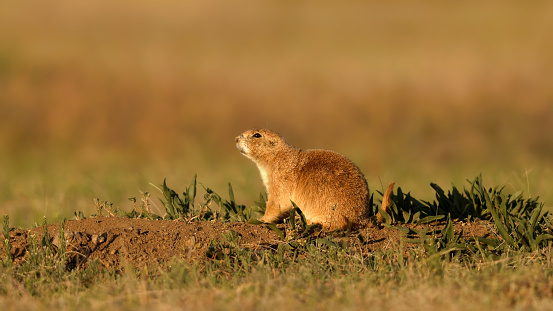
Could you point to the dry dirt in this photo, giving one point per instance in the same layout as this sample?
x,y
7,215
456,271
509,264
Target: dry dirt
x,y
115,241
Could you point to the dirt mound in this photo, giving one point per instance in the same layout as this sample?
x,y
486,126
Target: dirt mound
x,y
114,241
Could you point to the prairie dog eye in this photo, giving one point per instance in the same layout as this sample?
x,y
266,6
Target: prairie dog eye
x,y
256,135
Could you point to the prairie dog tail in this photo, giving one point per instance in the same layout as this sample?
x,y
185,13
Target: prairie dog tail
x,y
386,203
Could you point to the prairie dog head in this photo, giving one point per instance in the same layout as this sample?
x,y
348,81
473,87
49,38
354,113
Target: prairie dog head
x,y
260,145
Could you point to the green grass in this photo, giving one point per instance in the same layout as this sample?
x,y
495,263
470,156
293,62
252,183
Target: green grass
x,y
312,284
57,184
324,278
311,272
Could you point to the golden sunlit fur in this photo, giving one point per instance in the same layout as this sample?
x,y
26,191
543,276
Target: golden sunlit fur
x,y
328,188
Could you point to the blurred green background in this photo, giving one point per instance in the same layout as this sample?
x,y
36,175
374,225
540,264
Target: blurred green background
x,y
102,98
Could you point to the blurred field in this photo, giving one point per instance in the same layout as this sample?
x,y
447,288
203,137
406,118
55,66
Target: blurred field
x,y
98,99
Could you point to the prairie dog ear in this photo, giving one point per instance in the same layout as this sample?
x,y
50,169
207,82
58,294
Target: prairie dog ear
x,y
273,141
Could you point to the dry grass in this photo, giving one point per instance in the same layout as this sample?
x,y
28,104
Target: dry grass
x,y
523,282
98,99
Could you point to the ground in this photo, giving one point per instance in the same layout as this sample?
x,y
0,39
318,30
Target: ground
x,y
116,241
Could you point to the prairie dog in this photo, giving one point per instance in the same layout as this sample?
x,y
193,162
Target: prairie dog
x,y
327,187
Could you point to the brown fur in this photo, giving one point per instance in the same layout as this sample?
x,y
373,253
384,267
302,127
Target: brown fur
x,y
328,188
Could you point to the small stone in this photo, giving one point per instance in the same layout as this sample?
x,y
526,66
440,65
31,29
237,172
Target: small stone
x,y
99,239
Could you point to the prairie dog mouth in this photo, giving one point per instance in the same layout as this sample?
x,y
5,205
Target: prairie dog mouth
x,y
242,147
